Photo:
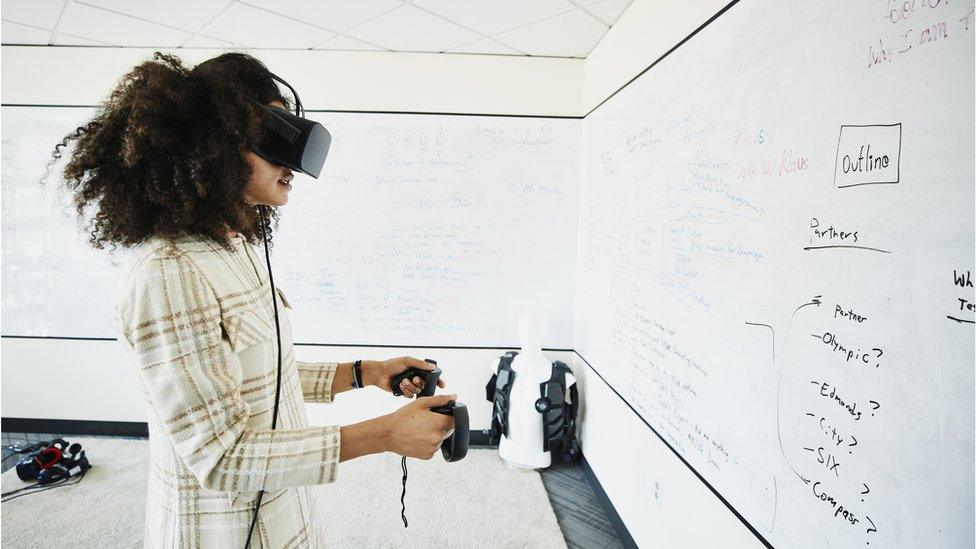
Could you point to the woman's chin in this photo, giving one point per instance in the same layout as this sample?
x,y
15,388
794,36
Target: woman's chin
x,y
283,196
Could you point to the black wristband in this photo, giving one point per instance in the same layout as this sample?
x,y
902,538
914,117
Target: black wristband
x,y
357,375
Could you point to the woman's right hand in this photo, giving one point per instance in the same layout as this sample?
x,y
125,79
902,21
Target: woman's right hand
x,y
415,431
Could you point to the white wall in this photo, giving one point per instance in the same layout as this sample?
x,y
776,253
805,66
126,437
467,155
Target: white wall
x,y
325,80
661,502
658,498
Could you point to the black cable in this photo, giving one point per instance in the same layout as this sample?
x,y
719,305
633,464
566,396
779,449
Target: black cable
x,y
34,488
16,453
51,486
31,487
274,303
299,109
274,419
403,506
37,487
20,451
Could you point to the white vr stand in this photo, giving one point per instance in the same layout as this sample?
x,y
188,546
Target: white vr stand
x,y
522,449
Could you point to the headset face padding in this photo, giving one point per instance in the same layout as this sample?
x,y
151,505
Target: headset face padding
x,y
49,456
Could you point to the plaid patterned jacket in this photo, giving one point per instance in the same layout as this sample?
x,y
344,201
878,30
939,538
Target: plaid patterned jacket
x,y
198,324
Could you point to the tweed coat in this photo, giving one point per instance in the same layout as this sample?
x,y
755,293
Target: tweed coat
x,y
198,325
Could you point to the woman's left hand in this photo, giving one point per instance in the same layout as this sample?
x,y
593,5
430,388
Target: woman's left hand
x,y
384,372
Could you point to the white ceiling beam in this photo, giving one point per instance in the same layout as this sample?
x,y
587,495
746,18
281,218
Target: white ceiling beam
x,y
326,80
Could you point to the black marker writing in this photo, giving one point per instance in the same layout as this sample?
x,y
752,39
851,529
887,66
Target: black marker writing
x,y
831,393
851,354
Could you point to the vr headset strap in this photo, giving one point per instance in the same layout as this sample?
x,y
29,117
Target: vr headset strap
x,y
570,444
564,421
497,393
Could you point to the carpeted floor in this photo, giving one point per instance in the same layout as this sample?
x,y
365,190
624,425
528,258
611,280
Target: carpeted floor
x,y
477,502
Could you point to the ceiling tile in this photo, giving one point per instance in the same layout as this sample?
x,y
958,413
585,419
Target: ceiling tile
x,y
202,41
188,15
346,43
105,26
336,15
68,40
412,29
256,28
39,13
486,45
568,35
539,27
496,16
585,2
14,33
609,11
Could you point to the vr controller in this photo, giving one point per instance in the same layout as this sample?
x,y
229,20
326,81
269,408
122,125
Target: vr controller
x,y
430,378
455,447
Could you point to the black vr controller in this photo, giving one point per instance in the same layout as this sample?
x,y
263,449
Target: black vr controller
x,y
430,378
455,446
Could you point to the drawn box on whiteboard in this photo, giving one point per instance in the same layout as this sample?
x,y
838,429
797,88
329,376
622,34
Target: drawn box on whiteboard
x,y
868,155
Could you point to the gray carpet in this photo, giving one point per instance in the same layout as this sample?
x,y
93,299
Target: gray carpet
x,y
476,502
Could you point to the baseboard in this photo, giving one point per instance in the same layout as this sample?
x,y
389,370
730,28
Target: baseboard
x,y
618,524
74,427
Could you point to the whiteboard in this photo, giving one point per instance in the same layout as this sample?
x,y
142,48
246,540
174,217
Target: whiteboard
x,y
776,251
422,230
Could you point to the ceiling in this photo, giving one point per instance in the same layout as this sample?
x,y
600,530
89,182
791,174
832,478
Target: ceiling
x,y
549,28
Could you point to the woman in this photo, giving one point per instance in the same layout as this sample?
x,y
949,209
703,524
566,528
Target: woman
x,y
167,168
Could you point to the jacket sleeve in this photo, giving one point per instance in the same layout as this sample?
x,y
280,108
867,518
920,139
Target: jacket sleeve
x,y
169,317
316,379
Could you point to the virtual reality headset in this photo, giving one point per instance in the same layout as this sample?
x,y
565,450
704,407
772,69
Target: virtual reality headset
x,y
293,141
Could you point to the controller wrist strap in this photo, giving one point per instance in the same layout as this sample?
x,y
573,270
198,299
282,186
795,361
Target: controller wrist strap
x,y
403,506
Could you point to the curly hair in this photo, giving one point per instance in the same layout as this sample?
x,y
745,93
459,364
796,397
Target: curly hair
x,y
164,154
